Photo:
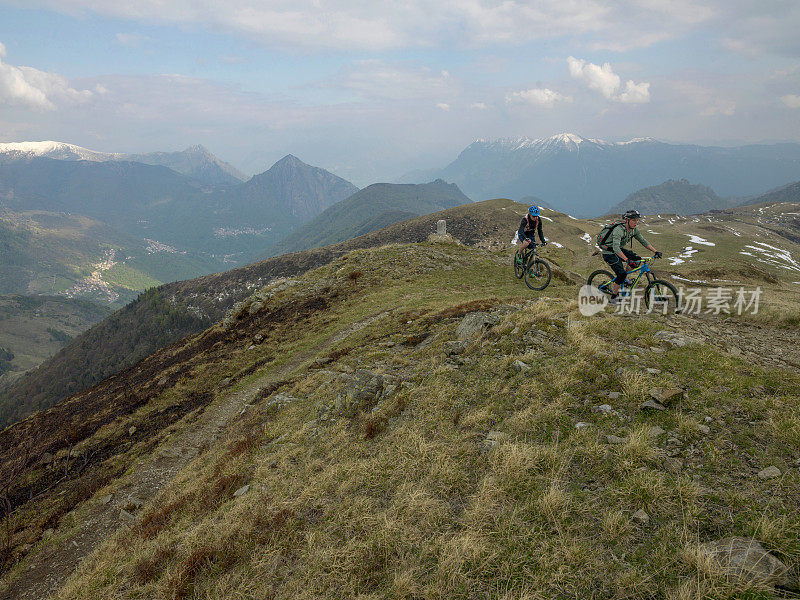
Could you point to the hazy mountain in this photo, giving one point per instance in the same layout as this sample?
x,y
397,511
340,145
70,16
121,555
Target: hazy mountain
x,y
157,203
291,189
673,197
588,176
785,193
375,206
195,162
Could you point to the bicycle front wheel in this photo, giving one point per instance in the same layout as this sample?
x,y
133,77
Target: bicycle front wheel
x,y
537,274
661,296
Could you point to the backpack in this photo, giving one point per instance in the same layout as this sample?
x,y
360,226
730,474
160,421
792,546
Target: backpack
x,y
602,237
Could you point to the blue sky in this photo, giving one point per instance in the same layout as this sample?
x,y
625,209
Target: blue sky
x,y
372,90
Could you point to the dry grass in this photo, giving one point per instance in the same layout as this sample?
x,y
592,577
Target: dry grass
x,y
411,500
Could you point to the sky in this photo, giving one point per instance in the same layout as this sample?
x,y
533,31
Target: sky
x,y
371,90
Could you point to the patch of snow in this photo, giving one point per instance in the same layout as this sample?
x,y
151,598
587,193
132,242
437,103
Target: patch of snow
x,y
686,254
775,256
546,218
557,245
689,280
574,219
654,232
696,239
587,238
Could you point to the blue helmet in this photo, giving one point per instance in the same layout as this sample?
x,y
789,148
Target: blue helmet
x,y
533,210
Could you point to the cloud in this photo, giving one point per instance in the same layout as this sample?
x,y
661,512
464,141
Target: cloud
x,y
31,88
791,100
538,96
132,40
379,79
443,106
478,106
710,101
602,79
384,25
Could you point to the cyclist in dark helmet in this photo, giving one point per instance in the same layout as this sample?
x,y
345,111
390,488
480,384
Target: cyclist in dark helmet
x,y
530,225
621,260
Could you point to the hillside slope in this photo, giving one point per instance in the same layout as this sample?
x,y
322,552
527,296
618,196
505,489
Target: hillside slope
x,y
677,197
77,256
372,208
699,250
350,434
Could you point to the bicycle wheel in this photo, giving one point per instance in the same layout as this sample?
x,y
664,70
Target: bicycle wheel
x,y
601,279
537,274
519,262
662,296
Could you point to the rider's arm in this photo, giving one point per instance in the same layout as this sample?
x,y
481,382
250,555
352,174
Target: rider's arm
x,y
521,230
539,229
641,239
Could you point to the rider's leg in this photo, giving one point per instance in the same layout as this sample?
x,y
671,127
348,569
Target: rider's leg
x,y
615,262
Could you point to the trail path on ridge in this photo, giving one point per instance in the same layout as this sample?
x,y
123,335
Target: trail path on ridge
x,y
47,570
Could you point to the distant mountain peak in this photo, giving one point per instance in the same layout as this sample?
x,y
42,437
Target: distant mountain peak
x,y
289,160
570,141
195,161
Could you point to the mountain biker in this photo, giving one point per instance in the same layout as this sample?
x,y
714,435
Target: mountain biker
x,y
611,240
531,223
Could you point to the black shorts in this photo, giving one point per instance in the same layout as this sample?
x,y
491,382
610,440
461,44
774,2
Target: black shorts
x,y
616,264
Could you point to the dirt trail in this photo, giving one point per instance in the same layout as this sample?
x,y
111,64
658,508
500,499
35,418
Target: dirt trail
x,y
47,571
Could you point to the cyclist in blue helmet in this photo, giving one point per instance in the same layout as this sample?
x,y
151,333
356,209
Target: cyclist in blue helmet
x,y
531,223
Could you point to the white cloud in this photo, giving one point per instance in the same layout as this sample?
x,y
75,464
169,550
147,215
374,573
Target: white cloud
x,y
384,25
32,88
603,79
538,96
443,106
396,81
791,100
478,106
710,101
132,40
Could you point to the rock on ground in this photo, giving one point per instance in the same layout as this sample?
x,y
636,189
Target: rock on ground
x,y
746,558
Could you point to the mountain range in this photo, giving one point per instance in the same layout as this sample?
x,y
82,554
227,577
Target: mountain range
x,y
589,176
195,162
374,207
158,203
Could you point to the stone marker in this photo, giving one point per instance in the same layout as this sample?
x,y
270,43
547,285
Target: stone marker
x,y
441,227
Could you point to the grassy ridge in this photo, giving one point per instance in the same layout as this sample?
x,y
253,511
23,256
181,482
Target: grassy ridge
x,y
472,478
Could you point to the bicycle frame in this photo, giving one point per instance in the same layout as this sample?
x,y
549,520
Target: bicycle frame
x,y
642,269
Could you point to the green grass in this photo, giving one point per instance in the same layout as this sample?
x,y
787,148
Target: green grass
x,y
408,501
127,277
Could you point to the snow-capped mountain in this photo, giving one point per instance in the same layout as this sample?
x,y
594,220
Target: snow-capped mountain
x,y
195,161
51,149
586,176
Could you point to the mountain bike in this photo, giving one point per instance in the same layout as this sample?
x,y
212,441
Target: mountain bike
x,y
657,291
535,270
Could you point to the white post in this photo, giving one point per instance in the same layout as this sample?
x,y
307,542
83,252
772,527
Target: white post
x,y
441,227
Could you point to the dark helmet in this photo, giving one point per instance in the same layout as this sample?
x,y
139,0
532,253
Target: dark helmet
x,y
632,214
533,210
